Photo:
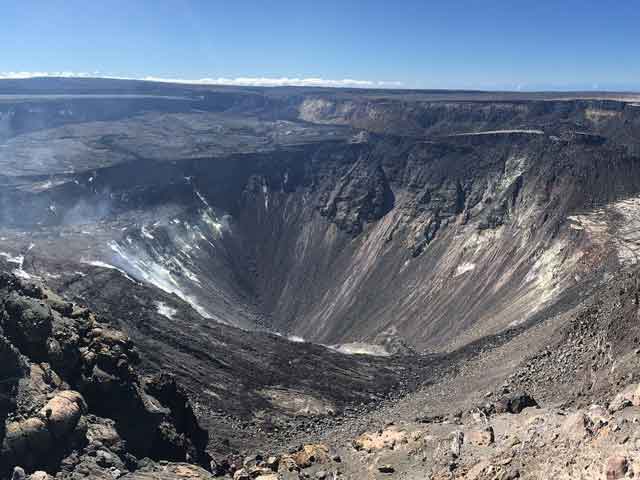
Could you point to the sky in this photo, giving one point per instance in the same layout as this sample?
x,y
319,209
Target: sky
x,y
488,44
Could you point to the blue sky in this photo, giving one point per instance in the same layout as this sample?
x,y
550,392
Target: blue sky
x,y
486,44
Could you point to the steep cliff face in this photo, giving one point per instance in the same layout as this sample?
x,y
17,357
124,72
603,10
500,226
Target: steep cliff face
x,y
433,220
616,116
473,228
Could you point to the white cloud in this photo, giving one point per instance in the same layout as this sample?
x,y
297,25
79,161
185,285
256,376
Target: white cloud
x,y
240,81
22,75
270,82
390,84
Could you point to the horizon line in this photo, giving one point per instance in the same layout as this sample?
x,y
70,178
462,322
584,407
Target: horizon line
x,y
310,82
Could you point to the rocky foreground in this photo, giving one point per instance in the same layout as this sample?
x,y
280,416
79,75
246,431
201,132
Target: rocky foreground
x,y
72,403
504,439
73,406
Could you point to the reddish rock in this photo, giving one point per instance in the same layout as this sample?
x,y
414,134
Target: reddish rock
x,y
616,467
481,438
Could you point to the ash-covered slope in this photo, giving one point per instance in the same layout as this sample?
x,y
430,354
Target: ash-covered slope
x,y
431,240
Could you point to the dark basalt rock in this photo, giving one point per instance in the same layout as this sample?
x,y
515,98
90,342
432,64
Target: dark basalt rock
x,y
515,403
27,322
71,400
188,432
362,195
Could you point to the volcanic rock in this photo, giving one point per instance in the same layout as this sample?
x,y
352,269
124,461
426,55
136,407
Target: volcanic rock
x,y
47,425
457,439
616,467
480,438
63,412
311,454
515,403
629,396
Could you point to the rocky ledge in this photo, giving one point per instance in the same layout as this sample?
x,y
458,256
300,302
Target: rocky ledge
x,y
507,437
72,404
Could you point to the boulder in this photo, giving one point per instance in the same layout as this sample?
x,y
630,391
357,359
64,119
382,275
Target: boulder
x,y
598,415
383,439
28,324
107,459
60,306
43,381
626,398
40,440
40,475
102,432
18,474
62,412
287,464
63,347
242,474
272,463
261,472
481,438
311,454
575,427
514,403
616,467
26,440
